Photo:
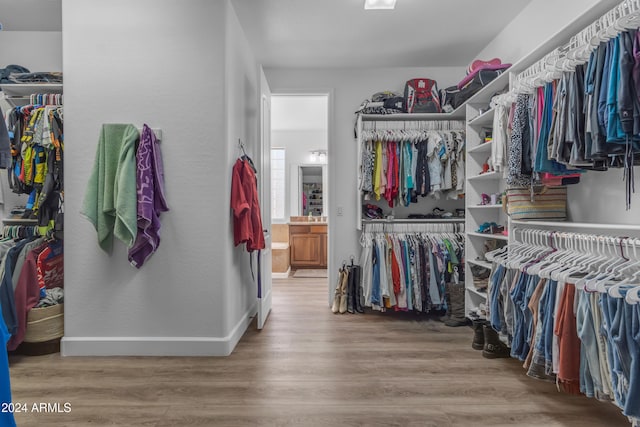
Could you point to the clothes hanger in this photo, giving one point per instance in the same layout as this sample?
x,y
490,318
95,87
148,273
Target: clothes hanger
x,y
599,257
605,269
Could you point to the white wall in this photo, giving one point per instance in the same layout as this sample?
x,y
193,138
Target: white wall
x,y
242,98
298,145
36,50
541,20
600,196
348,87
151,64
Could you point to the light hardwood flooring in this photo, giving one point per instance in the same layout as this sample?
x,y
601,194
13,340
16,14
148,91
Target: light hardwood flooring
x,y
308,367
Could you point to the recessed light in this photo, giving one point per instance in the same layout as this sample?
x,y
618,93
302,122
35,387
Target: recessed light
x,y
379,4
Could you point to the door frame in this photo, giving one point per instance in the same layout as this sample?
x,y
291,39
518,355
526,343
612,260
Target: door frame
x,y
265,262
331,184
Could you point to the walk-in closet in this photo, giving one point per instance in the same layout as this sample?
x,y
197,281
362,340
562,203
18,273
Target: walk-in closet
x,y
440,229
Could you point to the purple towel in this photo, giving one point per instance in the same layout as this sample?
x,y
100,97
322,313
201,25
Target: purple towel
x,y
151,200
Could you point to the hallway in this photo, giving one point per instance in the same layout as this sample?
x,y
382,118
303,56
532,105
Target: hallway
x,y
308,367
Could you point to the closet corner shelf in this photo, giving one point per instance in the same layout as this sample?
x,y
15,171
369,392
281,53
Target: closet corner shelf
x,y
484,119
480,148
485,264
457,114
488,236
11,90
19,221
413,221
486,176
477,292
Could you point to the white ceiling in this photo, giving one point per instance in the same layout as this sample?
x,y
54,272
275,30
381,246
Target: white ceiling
x,y
340,33
337,33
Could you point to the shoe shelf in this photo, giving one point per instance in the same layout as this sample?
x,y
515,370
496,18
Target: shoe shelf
x,y
477,292
480,263
488,235
484,119
478,185
488,176
484,147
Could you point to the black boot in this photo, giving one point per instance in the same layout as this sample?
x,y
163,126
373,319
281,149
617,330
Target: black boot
x,y
357,292
478,334
493,347
456,307
351,291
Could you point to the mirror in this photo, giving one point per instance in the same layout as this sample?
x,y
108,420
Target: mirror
x,y
312,197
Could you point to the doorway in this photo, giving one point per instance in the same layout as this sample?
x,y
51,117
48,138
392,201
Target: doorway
x,y
299,185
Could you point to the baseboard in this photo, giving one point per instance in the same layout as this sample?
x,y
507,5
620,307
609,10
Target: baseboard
x,y
284,275
158,346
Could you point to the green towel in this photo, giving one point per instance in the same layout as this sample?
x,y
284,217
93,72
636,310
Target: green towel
x,y
110,201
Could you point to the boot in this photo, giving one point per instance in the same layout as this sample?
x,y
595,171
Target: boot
x,y
359,297
351,290
478,334
493,347
336,298
343,291
456,307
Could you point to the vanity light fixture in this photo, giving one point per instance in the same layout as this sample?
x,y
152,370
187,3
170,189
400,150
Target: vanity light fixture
x,y
318,156
379,4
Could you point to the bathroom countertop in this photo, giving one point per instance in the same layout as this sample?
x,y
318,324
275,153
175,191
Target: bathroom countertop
x,y
307,223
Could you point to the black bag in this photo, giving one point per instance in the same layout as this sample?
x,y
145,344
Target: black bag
x,y
449,98
480,80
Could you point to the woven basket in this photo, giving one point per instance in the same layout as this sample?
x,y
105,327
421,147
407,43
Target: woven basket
x,y
546,203
44,324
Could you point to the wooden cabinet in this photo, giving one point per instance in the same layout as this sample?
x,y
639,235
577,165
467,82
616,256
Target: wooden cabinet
x,y
308,245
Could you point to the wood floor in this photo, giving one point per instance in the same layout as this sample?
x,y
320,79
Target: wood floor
x,y
309,367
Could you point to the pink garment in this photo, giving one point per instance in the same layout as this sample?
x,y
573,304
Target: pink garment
x,y
27,295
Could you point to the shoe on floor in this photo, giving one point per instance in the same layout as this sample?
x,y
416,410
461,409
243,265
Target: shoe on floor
x,y
478,334
493,347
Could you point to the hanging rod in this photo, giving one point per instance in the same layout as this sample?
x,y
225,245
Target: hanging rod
x,y
414,221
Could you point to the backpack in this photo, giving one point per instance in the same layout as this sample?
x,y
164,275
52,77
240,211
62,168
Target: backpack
x,y
421,96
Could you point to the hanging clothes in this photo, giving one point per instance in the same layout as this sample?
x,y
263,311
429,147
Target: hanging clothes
x,y
572,322
36,137
400,165
408,271
247,220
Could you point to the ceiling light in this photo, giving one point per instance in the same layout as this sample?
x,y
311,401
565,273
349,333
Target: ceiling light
x,y
379,4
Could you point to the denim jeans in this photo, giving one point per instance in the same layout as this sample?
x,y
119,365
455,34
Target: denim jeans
x,y
590,379
496,314
632,407
548,322
517,296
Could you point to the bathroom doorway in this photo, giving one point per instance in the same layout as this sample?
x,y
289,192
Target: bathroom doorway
x,y
299,183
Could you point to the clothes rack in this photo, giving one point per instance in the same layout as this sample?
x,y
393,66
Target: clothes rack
x,y
408,267
455,225
419,125
567,304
